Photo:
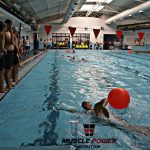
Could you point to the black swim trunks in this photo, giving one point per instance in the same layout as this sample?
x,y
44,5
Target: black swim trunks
x,y
27,47
9,59
2,61
16,59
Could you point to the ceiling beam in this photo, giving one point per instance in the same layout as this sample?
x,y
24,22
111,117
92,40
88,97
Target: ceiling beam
x,y
51,18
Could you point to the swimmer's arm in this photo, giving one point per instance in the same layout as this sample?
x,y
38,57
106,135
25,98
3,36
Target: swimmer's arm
x,y
105,102
74,111
70,110
16,45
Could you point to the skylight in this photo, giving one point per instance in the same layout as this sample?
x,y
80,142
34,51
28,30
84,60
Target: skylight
x,y
101,1
94,7
91,8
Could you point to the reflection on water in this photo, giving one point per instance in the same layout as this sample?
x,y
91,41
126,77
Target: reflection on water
x,y
48,126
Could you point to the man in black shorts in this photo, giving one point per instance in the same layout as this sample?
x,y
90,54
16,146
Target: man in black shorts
x,y
3,51
9,57
16,57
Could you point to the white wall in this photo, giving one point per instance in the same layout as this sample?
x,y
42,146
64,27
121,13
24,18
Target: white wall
x,y
80,23
129,37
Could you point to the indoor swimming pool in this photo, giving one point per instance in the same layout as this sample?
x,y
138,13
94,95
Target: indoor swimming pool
x,y
32,113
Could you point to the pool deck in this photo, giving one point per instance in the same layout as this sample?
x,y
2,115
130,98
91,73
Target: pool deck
x,y
26,67
68,147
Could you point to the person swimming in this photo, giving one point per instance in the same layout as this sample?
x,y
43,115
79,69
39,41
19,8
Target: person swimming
x,y
99,108
83,60
67,56
73,58
103,115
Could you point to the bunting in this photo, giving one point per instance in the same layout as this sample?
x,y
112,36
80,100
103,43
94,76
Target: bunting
x,y
96,32
72,30
119,34
141,35
47,29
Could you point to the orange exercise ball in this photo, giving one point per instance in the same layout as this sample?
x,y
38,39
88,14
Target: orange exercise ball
x,y
119,98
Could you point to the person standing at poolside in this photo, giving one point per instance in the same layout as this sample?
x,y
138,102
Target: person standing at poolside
x,y
9,57
27,46
3,52
16,57
23,45
45,45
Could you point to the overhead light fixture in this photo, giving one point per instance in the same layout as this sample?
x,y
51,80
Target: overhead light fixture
x,y
100,1
130,15
141,11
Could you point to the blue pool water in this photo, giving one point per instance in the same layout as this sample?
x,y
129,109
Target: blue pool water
x,y
28,113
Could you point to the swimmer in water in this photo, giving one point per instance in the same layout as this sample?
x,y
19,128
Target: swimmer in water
x,y
102,114
99,108
66,56
73,58
83,60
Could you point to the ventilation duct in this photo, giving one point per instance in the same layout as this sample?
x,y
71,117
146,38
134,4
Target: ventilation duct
x,y
70,10
128,12
137,26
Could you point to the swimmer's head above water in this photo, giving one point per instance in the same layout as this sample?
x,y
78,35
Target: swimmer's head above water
x,y
87,105
99,108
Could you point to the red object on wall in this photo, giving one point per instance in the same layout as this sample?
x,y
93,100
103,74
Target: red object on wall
x,y
47,29
141,35
119,34
72,30
50,39
96,32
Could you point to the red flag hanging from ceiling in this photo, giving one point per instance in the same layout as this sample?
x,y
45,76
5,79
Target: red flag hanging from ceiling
x,y
96,32
47,29
119,34
72,30
141,35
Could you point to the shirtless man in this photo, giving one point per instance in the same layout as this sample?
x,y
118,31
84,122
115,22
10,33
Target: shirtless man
x,y
9,57
3,51
16,57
